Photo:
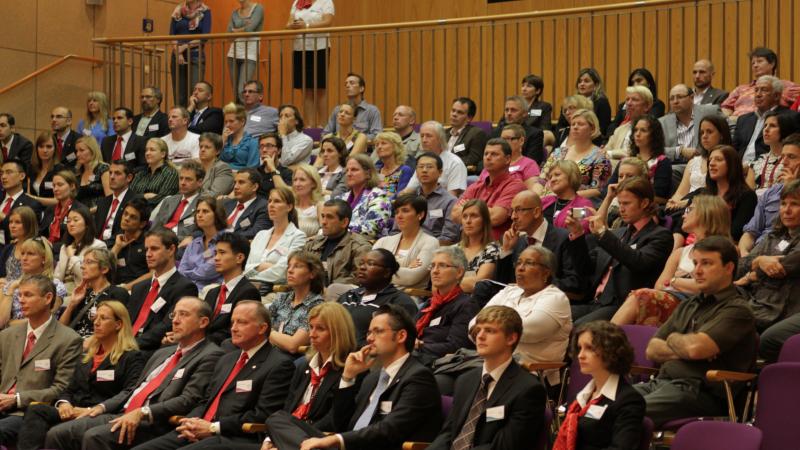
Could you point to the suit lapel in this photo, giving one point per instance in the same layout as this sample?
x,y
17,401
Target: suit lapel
x,y
505,383
43,342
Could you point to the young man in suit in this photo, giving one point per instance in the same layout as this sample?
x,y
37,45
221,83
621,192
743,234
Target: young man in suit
x,y
704,93
397,403
108,216
176,212
12,178
173,381
500,405
466,140
64,136
12,144
152,300
125,145
247,386
229,260
38,358
247,212
151,122
204,118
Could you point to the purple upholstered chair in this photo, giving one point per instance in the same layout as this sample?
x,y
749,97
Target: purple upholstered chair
x,y
544,434
790,352
447,405
776,413
313,133
714,435
484,125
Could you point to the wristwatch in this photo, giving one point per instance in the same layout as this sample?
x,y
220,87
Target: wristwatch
x,y
146,413
601,231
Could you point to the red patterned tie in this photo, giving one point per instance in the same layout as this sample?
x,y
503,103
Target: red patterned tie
x,y
117,155
176,216
144,313
5,153
7,206
235,215
138,400
114,204
60,147
212,410
31,341
223,295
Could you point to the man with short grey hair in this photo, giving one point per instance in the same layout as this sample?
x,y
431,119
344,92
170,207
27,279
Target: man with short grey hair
x,y
748,137
261,119
454,174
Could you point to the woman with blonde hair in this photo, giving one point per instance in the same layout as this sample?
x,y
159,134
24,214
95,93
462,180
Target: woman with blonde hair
x,y
91,171
240,149
98,123
111,364
708,215
564,182
159,178
370,204
392,171
476,241
307,188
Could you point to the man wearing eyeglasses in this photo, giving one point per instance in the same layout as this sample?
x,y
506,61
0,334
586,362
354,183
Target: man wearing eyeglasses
x,y
466,140
63,135
151,122
260,118
682,125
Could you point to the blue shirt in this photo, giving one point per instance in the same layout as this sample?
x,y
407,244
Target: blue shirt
x,y
181,27
766,212
242,155
97,130
197,263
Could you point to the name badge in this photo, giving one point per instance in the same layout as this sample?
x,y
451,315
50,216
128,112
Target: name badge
x,y
436,213
245,223
129,156
158,304
71,157
325,266
93,311
385,407
459,148
179,374
188,221
369,298
226,308
2,238
349,145
207,254
435,322
93,178
255,118
244,386
535,112
87,132
121,262
48,185
153,127
783,245
633,246
40,365
105,375
514,168
495,413
596,411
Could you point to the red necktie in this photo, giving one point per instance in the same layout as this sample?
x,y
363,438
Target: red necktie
x,y
304,4
117,155
301,412
145,311
138,400
31,341
212,410
114,204
7,206
60,147
176,216
5,153
223,295
235,215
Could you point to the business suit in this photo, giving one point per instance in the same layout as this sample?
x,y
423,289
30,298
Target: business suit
x,y
269,372
57,349
620,425
518,393
21,149
218,180
101,214
68,156
321,412
469,146
210,121
164,211
745,127
448,329
415,412
23,200
181,391
540,115
669,123
713,96
133,153
252,219
158,126
158,322
534,141
220,327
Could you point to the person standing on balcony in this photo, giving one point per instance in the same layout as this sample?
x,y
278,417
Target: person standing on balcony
x,y
310,57
368,117
188,57
243,54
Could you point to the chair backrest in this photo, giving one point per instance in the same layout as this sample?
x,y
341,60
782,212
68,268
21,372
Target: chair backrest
x,y
776,412
647,433
577,381
483,125
543,440
790,352
715,435
447,405
639,336
313,133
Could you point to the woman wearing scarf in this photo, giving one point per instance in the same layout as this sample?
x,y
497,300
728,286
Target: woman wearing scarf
x,y
188,57
54,222
443,319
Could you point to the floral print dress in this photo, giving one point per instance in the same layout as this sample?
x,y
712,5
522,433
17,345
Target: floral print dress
x,y
371,214
595,168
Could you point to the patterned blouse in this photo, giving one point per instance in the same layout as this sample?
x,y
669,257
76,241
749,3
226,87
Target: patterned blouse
x,y
595,168
490,254
287,319
396,181
372,214
767,168
163,182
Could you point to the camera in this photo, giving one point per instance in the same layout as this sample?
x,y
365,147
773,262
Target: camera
x,y
579,213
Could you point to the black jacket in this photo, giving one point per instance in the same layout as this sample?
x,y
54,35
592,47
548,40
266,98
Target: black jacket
x,y
321,412
210,121
361,310
23,200
85,390
746,125
21,149
133,153
158,322
620,425
158,126
220,327
447,330
101,214
469,146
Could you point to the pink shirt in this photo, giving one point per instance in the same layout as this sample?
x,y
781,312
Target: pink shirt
x,y
523,169
498,192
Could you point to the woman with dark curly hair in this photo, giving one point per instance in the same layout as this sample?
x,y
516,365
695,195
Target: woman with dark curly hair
x,y
608,412
647,144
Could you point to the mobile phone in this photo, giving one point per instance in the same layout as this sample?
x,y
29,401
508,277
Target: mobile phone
x,y
579,213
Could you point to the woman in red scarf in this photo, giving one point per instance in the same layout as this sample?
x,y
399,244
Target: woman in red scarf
x,y
54,222
608,412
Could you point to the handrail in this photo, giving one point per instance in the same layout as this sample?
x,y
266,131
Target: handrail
x,y
403,25
48,68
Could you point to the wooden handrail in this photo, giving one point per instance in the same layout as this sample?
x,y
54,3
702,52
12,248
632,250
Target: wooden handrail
x,y
403,25
48,68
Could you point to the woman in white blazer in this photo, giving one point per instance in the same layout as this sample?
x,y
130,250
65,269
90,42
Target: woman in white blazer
x,y
412,247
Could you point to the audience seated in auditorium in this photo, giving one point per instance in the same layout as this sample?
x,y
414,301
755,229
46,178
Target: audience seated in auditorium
x,y
438,221
289,311
763,61
370,204
747,136
354,140
297,145
522,167
23,224
368,118
604,353
638,102
44,165
240,149
12,144
151,122
173,382
412,247
307,189
638,77
647,144
176,212
571,104
624,259
13,182
563,183
516,112
330,163
590,85
704,94
466,140
54,219
203,118
392,171
91,171
218,180
125,145
480,249
454,176
697,337
182,143
128,244
273,173
682,125
159,178
404,119
197,262
79,239
261,118
63,135
765,170
247,211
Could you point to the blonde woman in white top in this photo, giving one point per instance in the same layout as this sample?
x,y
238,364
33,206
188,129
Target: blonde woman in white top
x,y
307,186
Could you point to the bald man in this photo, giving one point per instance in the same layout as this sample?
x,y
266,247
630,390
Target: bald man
x,y
403,121
704,93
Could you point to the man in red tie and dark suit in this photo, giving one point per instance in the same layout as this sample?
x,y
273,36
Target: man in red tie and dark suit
x,y
12,144
125,145
176,212
108,216
12,178
247,211
173,382
63,135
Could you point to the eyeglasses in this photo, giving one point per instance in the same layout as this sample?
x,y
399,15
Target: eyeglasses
x,y
441,266
677,97
528,264
521,210
181,314
377,331
249,91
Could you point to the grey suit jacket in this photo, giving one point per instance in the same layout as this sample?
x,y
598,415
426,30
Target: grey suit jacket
x,y
163,212
670,126
714,96
218,180
47,370
176,396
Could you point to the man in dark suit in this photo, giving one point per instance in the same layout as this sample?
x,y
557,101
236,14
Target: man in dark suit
x,y
176,212
128,245
247,386
12,178
151,122
152,300
125,145
625,259
397,403
38,357
466,140
247,212
500,405
12,144
516,111
108,216
173,382
204,117
747,136
229,260
704,93
64,137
